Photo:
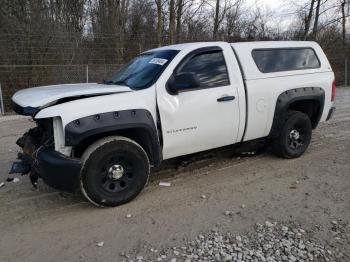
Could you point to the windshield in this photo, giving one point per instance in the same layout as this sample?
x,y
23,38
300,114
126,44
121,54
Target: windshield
x,y
143,70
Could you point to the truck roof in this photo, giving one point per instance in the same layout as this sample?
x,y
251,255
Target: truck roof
x,y
243,51
249,45
273,44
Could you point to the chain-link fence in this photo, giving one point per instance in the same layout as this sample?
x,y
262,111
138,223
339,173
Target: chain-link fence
x,y
16,77
340,67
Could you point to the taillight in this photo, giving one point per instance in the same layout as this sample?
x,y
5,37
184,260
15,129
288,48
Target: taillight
x,y
333,91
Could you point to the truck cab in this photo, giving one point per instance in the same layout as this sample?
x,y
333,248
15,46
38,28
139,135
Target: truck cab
x,y
173,101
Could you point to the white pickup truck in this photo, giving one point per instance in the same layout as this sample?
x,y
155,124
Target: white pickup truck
x,y
168,102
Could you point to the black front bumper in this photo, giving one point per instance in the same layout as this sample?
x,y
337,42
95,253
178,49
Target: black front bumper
x,y
58,170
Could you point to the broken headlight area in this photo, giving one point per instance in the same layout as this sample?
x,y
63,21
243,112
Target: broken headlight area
x,y
31,142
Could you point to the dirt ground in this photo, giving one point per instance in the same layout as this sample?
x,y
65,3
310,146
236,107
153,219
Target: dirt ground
x,y
45,225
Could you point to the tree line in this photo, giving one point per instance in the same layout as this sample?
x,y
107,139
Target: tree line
x,y
111,31
51,41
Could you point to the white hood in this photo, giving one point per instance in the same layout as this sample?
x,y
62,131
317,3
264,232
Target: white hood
x,y
47,95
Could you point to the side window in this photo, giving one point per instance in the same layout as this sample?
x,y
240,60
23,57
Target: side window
x,y
210,68
285,59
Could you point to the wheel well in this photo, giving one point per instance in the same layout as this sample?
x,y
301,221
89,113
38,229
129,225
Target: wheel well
x,y
309,107
139,135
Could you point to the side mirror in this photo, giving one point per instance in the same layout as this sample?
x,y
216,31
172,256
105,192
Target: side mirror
x,y
182,82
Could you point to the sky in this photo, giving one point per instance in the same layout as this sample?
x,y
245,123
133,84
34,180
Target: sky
x,y
277,5
270,3
282,11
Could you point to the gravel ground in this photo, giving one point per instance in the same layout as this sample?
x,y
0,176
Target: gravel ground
x,y
268,242
211,210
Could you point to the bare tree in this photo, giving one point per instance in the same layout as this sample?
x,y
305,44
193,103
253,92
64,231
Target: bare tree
x,y
179,10
216,19
159,4
317,16
172,21
233,25
308,19
343,21
42,32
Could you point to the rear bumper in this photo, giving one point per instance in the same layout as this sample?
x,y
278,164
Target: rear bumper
x,y
330,113
58,170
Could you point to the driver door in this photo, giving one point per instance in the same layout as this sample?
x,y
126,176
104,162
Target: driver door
x,y
204,117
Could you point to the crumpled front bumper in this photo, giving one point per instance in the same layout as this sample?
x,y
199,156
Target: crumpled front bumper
x,y
58,170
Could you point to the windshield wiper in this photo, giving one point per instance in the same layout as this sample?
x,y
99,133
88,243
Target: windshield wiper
x,y
111,82
120,83
106,82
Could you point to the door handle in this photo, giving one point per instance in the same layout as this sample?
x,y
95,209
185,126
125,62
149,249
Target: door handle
x,y
225,98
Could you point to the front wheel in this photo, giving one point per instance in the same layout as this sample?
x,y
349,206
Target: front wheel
x,y
294,137
115,170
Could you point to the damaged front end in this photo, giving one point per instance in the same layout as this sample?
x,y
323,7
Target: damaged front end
x,y
31,142
45,153
39,159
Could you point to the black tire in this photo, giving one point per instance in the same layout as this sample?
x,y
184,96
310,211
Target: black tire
x,y
115,170
295,136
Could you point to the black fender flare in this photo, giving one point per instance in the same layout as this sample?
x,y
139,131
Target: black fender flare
x,y
288,97
118,121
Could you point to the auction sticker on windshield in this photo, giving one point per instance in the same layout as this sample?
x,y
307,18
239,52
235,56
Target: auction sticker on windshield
x,y
158,61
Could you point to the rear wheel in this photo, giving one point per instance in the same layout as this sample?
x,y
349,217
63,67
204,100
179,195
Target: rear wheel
x,y
294,137
115,170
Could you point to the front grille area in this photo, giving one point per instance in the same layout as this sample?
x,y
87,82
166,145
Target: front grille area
x,y
45,131
34,138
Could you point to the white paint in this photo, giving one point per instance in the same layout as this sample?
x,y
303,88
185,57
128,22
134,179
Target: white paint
x,y
45,95
70,111
191,121
59,137
194,121
263,89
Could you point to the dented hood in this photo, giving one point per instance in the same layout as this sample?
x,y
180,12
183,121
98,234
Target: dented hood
x,y
43,96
